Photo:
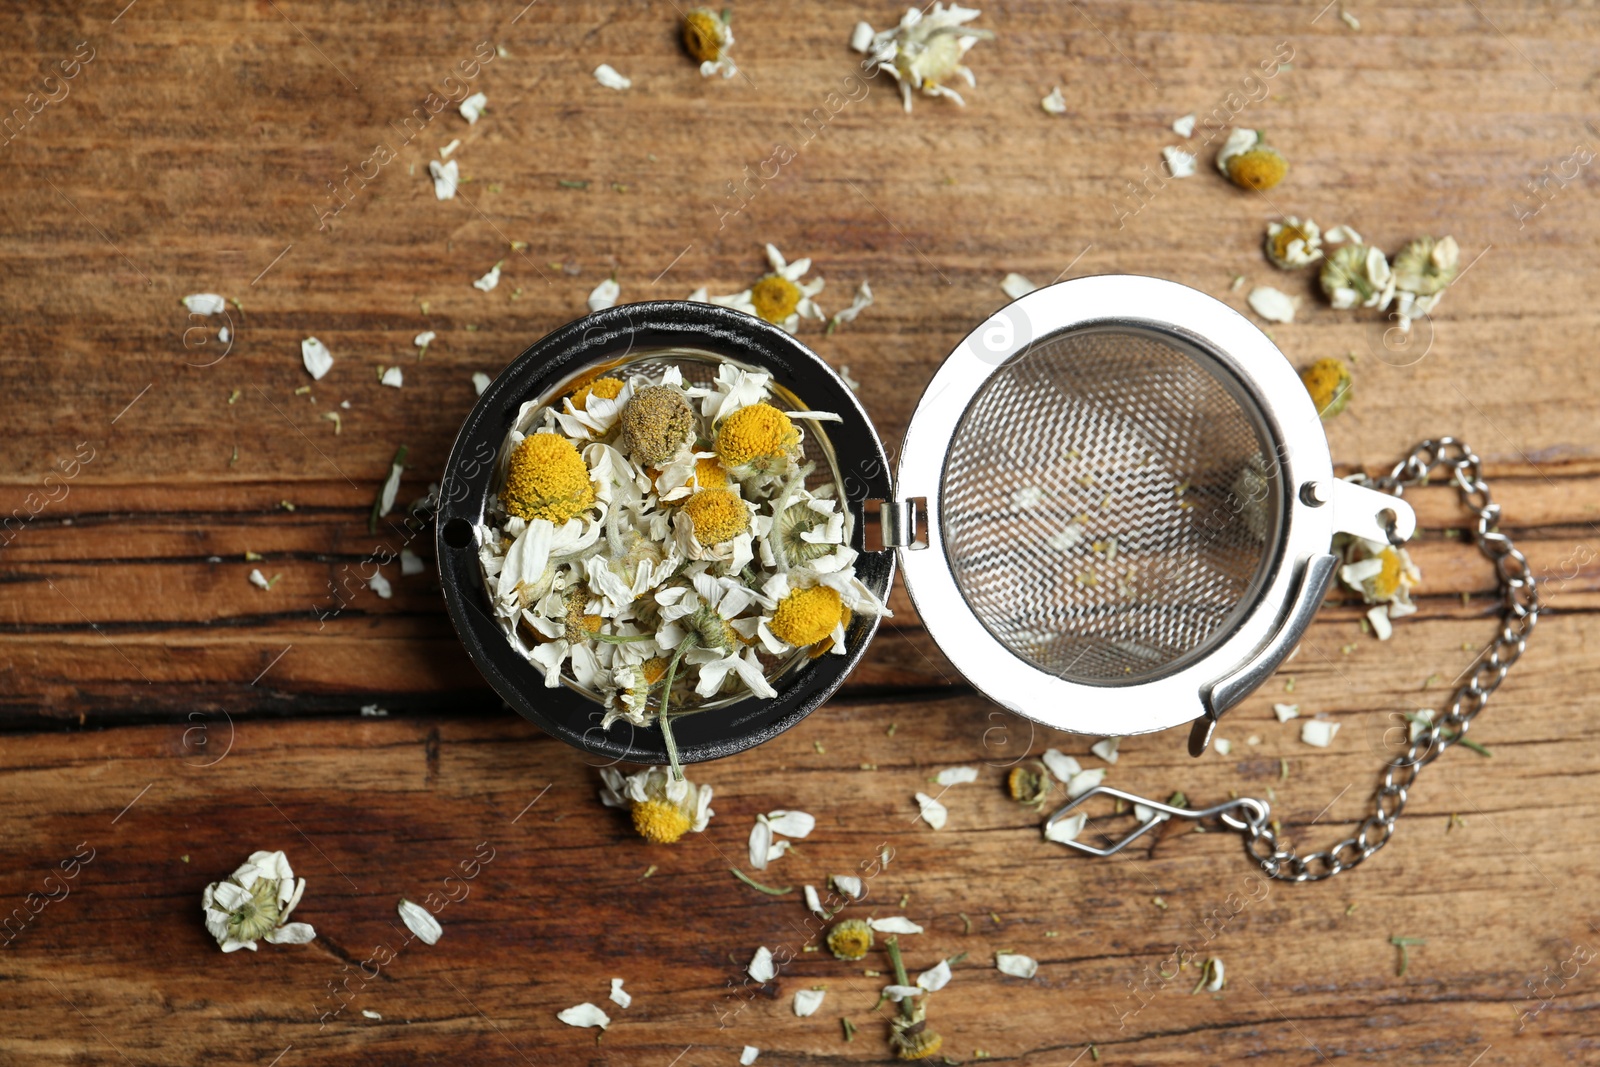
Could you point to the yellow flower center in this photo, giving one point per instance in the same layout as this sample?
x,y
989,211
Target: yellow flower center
x,y
1260,168
759,434
1328,382
775,298
709,474
850,940
547,479
653,669
717,515
580,627
806,616
1286,236
660,822
604,388
918,1046
702,35
1386,582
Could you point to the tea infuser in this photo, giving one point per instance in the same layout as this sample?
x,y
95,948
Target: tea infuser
x,y
1114,508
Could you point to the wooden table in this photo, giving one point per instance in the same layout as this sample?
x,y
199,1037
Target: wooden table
x,y
167,717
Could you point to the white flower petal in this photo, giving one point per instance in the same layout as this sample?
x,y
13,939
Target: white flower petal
x,y
1016,286
258,579
957,775
791,823
1274,305
1184,127
760,844
420,921
446,176
619,996
1016,964
936,978
1084,781
1068,829
411,564
807,1001
393,377
1318,732
607,75
204,303
748,1056
1223,746
391,488
847,884
894,924
1354,574
1061,765
315,355
472,107
1379,618
584,1014
1106,749
813,901
1180,164
934,813
480,382
489,280
291,934
1285,712
604,295
861,38
897,993
761,968
380,585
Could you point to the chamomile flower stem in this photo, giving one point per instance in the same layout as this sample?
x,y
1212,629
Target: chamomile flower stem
x,y
661,716
892,947
623,639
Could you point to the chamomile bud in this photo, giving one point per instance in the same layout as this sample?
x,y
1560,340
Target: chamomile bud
x,y
656,423
850,939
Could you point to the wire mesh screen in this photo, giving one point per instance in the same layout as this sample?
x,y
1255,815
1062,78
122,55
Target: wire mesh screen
x,y
1106,508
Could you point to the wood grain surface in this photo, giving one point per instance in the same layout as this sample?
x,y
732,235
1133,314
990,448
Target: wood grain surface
x,y
165,717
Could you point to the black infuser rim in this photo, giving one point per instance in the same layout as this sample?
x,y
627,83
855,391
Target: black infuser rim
x,y
604,336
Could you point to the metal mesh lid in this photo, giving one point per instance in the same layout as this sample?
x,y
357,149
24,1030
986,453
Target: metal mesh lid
x,y
1106,511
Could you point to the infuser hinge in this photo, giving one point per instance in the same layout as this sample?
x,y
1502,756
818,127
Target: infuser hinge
x,y
896,523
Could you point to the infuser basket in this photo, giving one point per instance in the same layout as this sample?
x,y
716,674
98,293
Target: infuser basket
x,y
1114,507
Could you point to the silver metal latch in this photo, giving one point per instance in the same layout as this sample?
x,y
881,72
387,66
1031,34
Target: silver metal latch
x,y
896,523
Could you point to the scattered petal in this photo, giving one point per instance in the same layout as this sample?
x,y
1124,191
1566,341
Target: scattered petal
x,y
897,993
1318,732
791,823
605,295
1274,305
761,967
748,1056
411,563
895,924
861,38
1068,829
368,1013
480,381
489,280
619,996
420,921
607,75
258,579
848,884
446,176
957,775
1379,618
380,585
1107,749
1285,712
1016,964
807,1001
315,355
1180,164
1016,286
935,978
204,303
1055,103
1223,746
1084,781
472,107
934,813
393,377
424,339
1061,765
584,1014
1184,127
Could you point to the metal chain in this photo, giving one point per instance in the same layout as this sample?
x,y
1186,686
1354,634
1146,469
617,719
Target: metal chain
x,y
1520,602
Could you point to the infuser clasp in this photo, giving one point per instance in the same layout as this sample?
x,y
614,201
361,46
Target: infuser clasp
x,y
1256,813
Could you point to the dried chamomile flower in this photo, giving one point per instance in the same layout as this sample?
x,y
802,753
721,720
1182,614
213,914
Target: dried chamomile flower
x,y
1292,244
1357,275
1029,784
604,388
718,515
1382,574
1328,382
1422,271
1427,265
656,423
663,808
547,479
758,438
781,297
708,35
925,50
1247,161
253,904
806,616
850,940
